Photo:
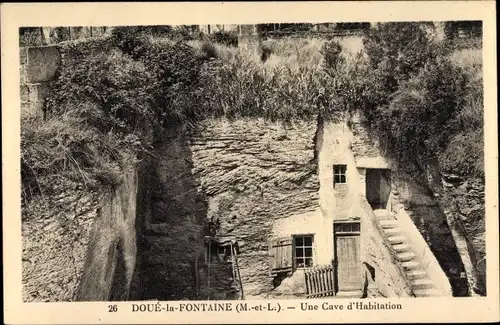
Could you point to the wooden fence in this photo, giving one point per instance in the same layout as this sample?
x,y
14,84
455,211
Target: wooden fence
x,y
320,281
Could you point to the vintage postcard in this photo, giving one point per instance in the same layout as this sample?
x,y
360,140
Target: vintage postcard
x,y
269,162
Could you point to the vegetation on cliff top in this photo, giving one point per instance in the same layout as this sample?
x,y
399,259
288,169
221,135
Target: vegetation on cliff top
x,y
422,100
111,93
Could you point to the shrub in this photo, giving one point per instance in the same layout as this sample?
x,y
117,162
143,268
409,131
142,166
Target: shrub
x,y
395,53
266,53
225,38
175,68
135,81
130,40
464,156
121,32
417,99
118,85
422,113
331,52
208,49
174,33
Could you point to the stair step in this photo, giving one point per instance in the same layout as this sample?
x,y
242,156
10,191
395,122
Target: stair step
x,y
383,214
426,293
401,248
416,274
349,294
396,239
422,284
405,256
393,231
388,223
410,265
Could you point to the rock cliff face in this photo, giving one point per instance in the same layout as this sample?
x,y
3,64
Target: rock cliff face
x,y
254,173
55,239
80,245
247,174
462,201
171,239
111,251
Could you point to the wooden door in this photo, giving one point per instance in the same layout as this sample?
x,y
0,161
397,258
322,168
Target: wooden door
x,y
348,257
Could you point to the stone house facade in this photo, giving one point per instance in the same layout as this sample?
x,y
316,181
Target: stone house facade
x,y
290,198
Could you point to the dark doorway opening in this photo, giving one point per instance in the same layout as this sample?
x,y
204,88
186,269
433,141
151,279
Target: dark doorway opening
x,y
378,187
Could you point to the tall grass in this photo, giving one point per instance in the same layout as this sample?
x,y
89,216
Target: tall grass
x,y
65,150
295,52
291,84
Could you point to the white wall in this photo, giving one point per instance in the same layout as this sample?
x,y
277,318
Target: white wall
x,y
333,145
424,254
336,203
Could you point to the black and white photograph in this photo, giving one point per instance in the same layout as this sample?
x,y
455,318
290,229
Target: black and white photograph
x,y
249,162
234,162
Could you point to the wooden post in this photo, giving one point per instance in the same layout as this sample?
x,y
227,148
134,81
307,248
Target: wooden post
x,y
233,263
239,275
208,278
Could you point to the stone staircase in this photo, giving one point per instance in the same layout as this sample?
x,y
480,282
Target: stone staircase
x,y
422,285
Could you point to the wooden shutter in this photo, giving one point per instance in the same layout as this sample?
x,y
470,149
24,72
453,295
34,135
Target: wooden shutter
x,y
280,255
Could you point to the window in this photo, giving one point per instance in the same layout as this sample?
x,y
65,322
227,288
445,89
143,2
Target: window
x,y
303,251
339,174
347,227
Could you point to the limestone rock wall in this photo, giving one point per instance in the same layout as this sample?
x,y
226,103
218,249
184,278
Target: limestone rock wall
x,y
171,238
247,173
111,252
80,245
55,237
254,173
463,203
